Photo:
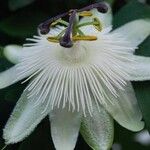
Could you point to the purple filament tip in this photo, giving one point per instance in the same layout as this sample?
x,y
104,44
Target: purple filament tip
x,y
45,26
44,29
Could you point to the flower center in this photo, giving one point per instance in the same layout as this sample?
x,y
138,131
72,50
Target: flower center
x,y
76,56
72,32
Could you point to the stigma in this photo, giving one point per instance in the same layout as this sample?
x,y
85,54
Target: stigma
x,y
72,32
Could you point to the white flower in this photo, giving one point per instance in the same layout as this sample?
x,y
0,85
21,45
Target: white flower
x,y
85,85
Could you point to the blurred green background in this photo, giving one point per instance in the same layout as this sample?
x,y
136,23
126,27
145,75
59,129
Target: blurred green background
x,y
19,20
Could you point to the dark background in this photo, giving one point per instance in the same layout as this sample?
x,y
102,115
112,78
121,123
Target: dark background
x,y
19,22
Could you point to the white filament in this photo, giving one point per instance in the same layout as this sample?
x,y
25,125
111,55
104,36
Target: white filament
x,y
78,75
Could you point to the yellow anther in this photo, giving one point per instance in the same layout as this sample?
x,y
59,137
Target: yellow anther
x,y
97,24
85,14
53,39
84,38
74,38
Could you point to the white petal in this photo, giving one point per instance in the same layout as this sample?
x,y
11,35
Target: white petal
x,y
12,53
136,31
140,69
98,130
125,109
9,77
64,128
24,119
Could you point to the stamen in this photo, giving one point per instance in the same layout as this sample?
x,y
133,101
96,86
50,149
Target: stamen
x,y
45,26
61,22
101,7
72,32
85,14
56,39
74,38
66,41
97,24
80,32
84,38
53,39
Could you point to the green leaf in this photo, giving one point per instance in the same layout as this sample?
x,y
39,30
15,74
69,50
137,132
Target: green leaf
x,y
143,95
132,11
23,24
142,1
142,89
1,51
135,10
16,4
144,48
110,1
